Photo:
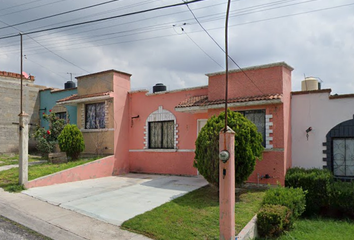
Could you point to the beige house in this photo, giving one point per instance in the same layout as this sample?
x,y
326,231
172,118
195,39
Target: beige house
x,y
95,109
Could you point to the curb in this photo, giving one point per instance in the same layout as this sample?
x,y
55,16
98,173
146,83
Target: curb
x,y
249,231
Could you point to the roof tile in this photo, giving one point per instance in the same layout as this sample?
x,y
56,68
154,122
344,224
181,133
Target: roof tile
x,y
75,96
199,101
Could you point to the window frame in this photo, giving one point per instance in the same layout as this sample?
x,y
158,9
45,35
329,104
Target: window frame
x,y
244,112
172,135
344,159
61,114
97,126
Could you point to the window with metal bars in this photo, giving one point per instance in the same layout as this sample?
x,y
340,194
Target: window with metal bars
x,y
161,135
257,117
343,157
95,116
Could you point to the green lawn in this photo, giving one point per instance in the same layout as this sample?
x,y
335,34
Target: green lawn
x,y
9,178
320,229
6,159
193,216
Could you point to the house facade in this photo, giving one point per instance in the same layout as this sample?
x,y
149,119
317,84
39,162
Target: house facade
x,y
48,98
330,141
156,132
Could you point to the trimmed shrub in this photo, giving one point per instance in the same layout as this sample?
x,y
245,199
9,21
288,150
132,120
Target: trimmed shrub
x,y
317,183
71,141
293,198
342,199
272,220
248,142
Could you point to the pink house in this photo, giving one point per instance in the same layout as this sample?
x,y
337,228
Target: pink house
x,y
261,93
156,132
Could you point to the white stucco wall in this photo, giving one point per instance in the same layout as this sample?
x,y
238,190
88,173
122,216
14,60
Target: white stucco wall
x,y
315,110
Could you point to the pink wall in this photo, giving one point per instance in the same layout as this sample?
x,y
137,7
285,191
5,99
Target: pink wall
x,y
180,161
96,169
268,80
176,163
287,118
121,86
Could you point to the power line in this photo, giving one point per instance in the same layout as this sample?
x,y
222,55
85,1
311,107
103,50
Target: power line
x,y
107,18
59,14
223,49
200,48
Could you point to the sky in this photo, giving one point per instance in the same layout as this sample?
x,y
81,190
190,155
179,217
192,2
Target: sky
x,y
178,45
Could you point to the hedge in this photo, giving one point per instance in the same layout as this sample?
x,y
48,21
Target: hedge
x,y
293,198
317,183
272,220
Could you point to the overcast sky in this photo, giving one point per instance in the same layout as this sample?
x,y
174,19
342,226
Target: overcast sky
x,y
315,37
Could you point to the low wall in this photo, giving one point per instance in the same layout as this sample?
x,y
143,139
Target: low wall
x,y
175,163
96,169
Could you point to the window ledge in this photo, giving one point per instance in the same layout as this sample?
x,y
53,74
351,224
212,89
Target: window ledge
x,y
97,130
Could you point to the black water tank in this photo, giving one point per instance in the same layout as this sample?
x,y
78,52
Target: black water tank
x,y
69,84
159,87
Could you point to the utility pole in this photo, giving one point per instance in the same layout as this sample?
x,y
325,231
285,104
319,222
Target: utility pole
x,y
23,131
227,162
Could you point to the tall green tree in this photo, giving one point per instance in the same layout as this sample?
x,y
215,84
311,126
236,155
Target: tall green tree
x,y
248,147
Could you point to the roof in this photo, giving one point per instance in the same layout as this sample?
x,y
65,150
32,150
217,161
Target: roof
x,y
202,101
277,64
107,71
15,75
77,97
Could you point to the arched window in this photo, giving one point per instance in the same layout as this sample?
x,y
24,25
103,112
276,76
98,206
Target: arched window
x,y
340,150
161,130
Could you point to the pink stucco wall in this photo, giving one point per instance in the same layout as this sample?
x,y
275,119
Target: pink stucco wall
x,y
121,86
265,80
96,169
178,161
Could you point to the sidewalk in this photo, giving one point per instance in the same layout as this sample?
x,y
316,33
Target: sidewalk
x,y
56,222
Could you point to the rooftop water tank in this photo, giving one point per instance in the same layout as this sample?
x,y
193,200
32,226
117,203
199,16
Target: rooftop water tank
x,y
310,84
159,87
69,84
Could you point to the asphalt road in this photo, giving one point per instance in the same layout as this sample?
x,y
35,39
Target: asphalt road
x,y
10,230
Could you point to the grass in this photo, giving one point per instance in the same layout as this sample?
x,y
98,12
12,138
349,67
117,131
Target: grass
x,y
193,216
320,229
24,230
13,159
9,178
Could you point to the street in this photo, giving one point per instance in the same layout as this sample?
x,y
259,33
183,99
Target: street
x,y
10,230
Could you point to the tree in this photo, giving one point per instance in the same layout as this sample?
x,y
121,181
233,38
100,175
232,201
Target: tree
x,y
248,147
71,141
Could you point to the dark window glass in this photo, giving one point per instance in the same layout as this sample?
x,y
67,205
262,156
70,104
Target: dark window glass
x,y
343,157
95,116
258,118
161,135
61,115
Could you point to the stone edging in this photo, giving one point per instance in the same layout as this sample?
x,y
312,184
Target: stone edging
x,y
249,231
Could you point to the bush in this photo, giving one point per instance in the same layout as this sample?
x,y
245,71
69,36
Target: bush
x,y
317,183
292,198
272,220
71,141
342,199
47,139
248,142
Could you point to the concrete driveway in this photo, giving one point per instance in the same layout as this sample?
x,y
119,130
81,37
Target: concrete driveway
x,y
118,198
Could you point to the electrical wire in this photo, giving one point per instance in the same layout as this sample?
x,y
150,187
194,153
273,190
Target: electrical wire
x,y
107,18
201,48
222,49
59,14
